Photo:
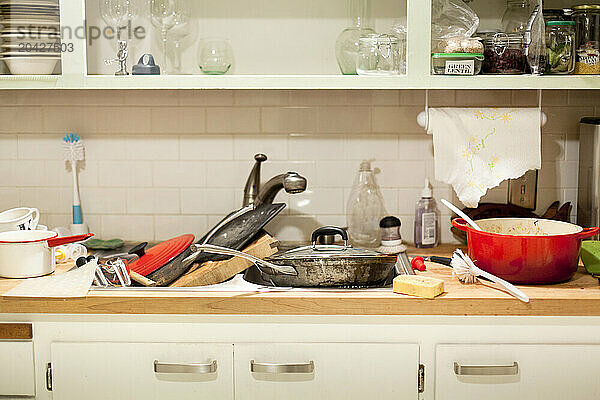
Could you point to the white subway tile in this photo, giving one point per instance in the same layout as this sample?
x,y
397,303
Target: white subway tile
x,y
233,120
47,200
8,173
8,147
151,98
208,201
179,174
9,198
344,119
210,98
400,173
106,148
58,173
407,200
583,97
21,119
553,147
124,120
104,200
563,120
153,201
318,97
262,97
545,197
65,119
56,220
317,201
74,97
30,172
246,146
483,98
335,173
170,226
40,147
308,147
289,120
562,174
441,98
125,173
328,220
361,97
529,98
396,119
372,147
152,148
390,201
231,174
293,228
572,148
178,120
128,227
215,147
415,147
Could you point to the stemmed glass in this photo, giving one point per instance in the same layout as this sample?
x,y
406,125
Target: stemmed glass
x,y
163,14
179,32
119,13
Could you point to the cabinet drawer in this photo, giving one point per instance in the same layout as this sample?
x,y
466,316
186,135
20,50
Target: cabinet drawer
x,y
504,371
16,369
326,371
142,371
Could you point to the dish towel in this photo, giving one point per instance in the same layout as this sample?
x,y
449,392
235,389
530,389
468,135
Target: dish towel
x,y
475,149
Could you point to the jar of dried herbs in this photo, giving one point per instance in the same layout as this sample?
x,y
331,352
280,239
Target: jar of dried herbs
x,y
504,54
587,36
560,47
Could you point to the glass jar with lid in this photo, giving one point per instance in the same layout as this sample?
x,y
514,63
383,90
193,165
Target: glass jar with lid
x,y
587,36
560,47
516,16
504,54
378,54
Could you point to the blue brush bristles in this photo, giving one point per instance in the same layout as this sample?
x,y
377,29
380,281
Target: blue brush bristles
x,y
71,138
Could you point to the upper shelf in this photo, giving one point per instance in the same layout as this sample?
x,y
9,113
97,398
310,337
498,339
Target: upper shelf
x,y
306,61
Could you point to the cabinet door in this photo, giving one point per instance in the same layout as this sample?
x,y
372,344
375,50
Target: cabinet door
x,y
498,371
326,371
16,369
120,371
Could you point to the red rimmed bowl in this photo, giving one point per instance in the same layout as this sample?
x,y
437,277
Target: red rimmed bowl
x,y
526,250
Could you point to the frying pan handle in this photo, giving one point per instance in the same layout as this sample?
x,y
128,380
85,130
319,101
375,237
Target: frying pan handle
x,y
588,232
329,230
460,224
68,239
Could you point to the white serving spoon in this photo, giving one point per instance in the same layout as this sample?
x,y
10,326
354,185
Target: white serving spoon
x,y
461,214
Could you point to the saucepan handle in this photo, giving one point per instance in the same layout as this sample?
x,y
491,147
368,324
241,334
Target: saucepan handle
x,y
588,233
460,224
329,230
68,239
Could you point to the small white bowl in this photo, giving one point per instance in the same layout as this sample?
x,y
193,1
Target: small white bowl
x,y
31,65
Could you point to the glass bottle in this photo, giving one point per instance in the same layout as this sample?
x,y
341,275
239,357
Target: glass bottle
x,y
516,16
365,208
346,45
427,219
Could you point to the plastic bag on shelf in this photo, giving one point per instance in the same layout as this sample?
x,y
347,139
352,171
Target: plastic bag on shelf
x,y
535,40
451,22
399,30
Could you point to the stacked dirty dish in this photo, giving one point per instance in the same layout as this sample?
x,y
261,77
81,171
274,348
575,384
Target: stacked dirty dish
x,y
30,36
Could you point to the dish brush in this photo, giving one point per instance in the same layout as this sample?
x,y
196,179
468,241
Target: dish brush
x,y
73,152
467,272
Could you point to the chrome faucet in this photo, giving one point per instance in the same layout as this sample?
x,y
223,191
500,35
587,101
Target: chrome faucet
x,y
291,182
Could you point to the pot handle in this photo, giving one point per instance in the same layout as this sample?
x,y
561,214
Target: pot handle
x,y
68,239
460,224
588,233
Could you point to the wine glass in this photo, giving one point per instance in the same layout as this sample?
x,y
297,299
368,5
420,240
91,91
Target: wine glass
x,y
215,56
119,13
179,32
162,13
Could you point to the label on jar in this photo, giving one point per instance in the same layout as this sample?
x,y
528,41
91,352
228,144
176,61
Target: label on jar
x,y
428,228
588,59
463,67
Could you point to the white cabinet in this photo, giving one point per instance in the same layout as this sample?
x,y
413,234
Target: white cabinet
x,y
119,371
506,371
326,371
16,369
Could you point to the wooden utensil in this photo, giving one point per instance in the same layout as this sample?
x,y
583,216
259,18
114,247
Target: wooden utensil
x,y
213,272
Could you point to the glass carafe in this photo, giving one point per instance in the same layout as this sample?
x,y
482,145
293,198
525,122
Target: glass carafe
x,y
516,16
346,46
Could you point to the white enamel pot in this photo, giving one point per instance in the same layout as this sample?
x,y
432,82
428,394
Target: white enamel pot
x,y
27,254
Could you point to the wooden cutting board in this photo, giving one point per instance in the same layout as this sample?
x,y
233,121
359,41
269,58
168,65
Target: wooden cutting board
x,y
213,272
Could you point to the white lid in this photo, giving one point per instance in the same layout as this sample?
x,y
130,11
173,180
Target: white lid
x,y
427,191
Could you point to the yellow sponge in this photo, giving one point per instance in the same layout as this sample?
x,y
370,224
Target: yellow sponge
x,y
420,286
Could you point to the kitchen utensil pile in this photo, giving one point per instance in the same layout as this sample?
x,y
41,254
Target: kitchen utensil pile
x,y
30,36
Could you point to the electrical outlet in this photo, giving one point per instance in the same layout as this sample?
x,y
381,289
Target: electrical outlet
x,y
523,191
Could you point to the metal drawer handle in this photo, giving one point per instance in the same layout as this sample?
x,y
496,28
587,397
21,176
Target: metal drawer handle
x,y
486,370
269,368
165,368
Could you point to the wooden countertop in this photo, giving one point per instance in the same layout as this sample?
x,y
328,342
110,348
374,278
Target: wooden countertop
x,y
578,297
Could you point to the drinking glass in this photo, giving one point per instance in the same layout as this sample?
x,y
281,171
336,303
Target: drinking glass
x,y
118,13
179,32
162,14
215,56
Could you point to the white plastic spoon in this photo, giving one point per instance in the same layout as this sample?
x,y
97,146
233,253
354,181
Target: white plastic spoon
x,y
461,214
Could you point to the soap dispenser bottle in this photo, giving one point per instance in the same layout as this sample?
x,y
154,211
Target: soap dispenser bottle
x,y
365,208
427,219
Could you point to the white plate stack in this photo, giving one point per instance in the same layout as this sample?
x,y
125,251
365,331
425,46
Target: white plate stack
x,y
30,36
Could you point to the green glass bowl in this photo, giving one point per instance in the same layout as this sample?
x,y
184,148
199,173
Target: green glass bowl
x,y
590,255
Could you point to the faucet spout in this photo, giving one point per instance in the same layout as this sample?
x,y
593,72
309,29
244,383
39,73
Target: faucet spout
x,y
291,182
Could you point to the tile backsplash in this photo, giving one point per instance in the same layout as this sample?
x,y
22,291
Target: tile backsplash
x,y
162,163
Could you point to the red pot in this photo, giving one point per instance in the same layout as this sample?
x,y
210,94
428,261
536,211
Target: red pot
x,y
526,259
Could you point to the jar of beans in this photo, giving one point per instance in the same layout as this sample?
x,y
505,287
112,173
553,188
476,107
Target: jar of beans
x,y
504,54
587,18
